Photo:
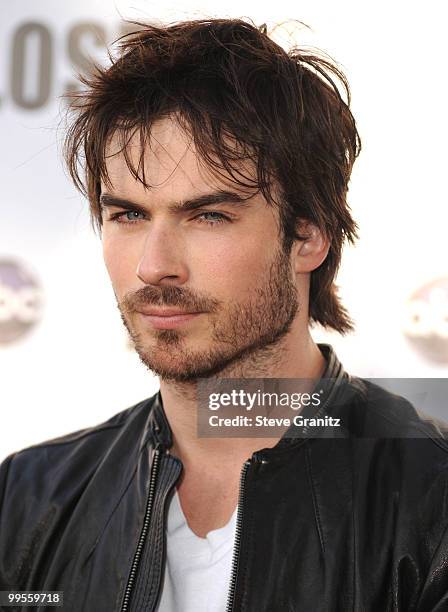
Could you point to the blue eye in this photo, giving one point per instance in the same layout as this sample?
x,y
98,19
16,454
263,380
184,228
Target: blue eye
x,y
127,217
134,215
216,218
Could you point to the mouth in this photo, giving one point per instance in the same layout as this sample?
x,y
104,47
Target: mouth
x,y
167,318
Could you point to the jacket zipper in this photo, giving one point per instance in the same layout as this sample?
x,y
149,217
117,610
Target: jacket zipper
x,y
238,527
145,527
144,531
238,533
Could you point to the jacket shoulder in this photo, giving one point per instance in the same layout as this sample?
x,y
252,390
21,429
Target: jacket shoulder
x,y
376,412
78,451
48,486
400,474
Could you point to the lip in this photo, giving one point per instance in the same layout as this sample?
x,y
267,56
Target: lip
x,y
167,318
165,311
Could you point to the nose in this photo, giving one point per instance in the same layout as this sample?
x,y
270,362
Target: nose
x,y
162,261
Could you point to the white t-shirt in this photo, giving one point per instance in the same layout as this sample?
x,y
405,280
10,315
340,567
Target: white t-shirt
x,y
197,571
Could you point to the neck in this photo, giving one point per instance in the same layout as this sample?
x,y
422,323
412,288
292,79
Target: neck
x,y
292,358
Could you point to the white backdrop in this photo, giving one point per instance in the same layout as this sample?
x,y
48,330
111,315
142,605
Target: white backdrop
x,y
74,368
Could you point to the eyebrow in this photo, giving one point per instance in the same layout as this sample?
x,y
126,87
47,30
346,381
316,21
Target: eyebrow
x,y
209,199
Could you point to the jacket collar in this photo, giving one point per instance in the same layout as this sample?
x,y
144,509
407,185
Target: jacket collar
x,y
334,369
334,374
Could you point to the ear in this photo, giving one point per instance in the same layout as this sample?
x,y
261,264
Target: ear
x,y
308,254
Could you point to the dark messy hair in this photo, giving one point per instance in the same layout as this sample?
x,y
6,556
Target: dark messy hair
x,y
241,97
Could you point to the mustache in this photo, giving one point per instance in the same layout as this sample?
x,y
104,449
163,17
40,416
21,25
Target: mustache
x,y
168,296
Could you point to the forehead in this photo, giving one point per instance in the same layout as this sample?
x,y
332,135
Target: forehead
x,y
167,160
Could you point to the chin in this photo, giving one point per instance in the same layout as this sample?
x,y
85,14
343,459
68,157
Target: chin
x,y
173,370
182,365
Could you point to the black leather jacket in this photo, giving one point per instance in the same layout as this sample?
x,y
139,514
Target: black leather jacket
x,y
354,522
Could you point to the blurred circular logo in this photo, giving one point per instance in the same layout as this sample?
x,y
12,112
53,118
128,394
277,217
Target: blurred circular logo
x,y
21,300
426,320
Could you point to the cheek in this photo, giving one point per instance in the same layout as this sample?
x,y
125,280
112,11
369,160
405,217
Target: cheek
x,y
120,264
230,267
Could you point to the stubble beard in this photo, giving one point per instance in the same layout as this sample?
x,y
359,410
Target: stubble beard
x,y
245,337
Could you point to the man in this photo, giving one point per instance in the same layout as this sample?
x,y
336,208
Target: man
x,y
217,167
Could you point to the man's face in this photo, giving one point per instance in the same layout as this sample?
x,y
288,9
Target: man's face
x,y
185,246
